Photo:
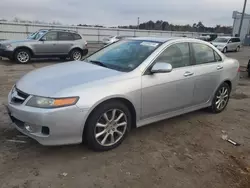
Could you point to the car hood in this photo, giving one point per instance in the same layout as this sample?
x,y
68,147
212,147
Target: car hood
x,y
48,81
15,41
219,44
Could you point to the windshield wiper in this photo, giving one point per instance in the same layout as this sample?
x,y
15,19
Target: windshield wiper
x,y
98,63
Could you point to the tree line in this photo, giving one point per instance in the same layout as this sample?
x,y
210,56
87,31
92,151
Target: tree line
x,y
165,26
150,25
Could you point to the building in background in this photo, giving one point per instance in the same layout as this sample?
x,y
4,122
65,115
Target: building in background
x,y
245,25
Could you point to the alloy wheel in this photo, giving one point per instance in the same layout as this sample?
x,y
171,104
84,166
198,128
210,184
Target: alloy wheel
x,y
222,98
77,55
23,57
111,127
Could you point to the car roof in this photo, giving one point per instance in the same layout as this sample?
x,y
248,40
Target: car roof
x,y
226,37
157,39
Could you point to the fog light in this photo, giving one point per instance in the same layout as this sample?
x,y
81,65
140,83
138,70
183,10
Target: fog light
x,y
28,127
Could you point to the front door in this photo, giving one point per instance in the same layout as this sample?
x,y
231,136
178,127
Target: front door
x,y
166,92
48,44
207,71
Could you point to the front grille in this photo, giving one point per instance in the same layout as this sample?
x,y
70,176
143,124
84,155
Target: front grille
x,y
18,96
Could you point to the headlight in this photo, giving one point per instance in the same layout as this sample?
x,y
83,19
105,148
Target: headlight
x,y
43,102
8,46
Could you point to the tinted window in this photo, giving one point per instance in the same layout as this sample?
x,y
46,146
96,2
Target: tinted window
x,y
51,36
177,55
76,36
236,40
65,36
203,53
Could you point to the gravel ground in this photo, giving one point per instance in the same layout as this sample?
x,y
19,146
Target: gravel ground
x,y
182,152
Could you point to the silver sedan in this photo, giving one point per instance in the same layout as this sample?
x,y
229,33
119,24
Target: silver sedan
x,y
128,84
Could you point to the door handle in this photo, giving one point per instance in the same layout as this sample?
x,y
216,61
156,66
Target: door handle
x,y
219,67
54,44
188,74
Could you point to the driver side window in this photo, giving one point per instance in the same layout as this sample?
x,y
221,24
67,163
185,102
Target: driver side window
x,y
178,55
50,36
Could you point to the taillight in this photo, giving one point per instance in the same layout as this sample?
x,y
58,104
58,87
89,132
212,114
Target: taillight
x,y
239,69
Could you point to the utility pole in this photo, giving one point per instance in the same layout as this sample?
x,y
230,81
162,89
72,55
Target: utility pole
x,y
138,22
242,17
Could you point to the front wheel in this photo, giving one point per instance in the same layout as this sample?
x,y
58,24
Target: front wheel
x,y
237,49
221,98
107,126
224,50
75,55
22,56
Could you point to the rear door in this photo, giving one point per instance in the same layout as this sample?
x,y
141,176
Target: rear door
x,y
65,42
207,71
48,45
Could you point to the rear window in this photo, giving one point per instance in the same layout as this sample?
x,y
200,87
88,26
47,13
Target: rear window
x,y
77,36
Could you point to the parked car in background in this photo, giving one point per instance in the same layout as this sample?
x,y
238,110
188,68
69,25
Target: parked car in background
x,y
226,44
204,38
113,39
45,43
127,84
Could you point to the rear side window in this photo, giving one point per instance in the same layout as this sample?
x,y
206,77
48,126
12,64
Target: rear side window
x,y
76,36
203,53
236,40
65,36
233,40
178,55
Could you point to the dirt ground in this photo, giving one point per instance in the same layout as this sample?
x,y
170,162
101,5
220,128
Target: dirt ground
x,y
183,152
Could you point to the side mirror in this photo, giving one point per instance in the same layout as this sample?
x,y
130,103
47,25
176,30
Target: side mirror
x,y
230,41
43,39
161,67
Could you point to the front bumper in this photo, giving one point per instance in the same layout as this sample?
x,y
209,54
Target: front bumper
x,y
6,53
59,126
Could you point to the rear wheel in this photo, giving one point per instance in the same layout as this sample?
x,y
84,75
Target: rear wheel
x,y
75,55
107,126
22,56
221,98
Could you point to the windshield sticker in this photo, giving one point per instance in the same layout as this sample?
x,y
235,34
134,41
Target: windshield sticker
x,y
152,44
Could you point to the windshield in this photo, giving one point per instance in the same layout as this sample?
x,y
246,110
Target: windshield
x,y
222,40
124,55
36,35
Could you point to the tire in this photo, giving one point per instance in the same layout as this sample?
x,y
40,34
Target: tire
x,y
75,55
215,108
93,135
224,50
237,49
248,71
22,56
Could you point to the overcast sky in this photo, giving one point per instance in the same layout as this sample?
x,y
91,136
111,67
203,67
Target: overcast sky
x,y
123,12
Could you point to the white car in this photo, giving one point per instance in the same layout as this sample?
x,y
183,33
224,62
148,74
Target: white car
x,y
226,44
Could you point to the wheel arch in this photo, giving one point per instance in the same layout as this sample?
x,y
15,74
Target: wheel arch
x,y
23,47
122,99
